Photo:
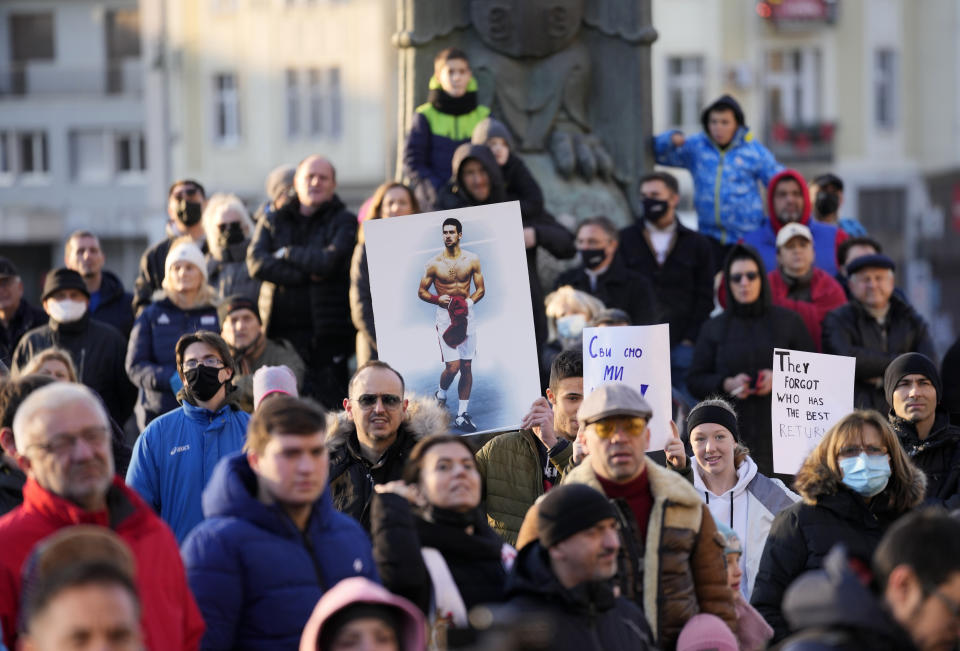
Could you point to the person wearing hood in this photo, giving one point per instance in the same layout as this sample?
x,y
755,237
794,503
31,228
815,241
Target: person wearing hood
x,y
736,493
374,436
241,328
540,228
186,199
566,575
441,125
271,544
356,612
175,455
726,163
911,604
734,352
855,484
302,252
788,202
184,305
914,391
753,632
476,179
603,274
97,349
228,228
109,301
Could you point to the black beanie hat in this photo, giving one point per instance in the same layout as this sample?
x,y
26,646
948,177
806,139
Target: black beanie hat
x,y
907,364
63,278
567,510
237,302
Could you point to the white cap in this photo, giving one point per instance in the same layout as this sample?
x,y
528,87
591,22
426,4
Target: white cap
x,y
792,230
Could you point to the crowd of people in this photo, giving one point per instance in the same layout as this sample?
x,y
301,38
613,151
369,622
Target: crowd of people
x,y
194,466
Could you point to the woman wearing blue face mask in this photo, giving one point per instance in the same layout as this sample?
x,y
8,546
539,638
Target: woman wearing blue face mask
x,y
568,311
854,485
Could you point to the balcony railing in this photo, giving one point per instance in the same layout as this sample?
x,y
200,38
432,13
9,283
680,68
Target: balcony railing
x,y
801,142
42,79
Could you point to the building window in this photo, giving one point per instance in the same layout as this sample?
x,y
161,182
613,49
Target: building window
x,y
32,154
88,156
684,91
226,109
885,89
6,163
325,102
31,37
293,102
130,152
792,86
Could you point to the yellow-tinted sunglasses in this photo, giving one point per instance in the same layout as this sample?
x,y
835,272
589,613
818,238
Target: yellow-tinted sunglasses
x,y
632,425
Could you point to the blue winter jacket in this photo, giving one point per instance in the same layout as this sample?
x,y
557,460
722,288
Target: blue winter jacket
x,y
151,358
256,577
725,192
175,456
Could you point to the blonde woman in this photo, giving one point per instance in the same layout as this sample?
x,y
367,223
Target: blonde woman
x,y
568,311
53,362
228,227
854,485
185,304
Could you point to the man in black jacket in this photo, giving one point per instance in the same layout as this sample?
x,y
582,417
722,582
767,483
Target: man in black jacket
x,y
567,573
603,274
186,200
97,349
16,314
679,263
914,390
109,302
302,252
875,327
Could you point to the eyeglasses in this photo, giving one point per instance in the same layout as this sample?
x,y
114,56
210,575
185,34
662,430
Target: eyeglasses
x,y
632,426
369,400
61,444
749,275
849,451
209,362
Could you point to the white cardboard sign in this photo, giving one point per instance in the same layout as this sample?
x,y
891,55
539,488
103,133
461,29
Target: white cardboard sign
x,y
811,392
638,356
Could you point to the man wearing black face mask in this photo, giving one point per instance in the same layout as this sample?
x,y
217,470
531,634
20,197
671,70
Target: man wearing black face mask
x,y
186,200
678,261
175,455
603,274
826,192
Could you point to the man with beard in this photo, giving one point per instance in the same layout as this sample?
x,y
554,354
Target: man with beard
x,y
450,272
241,328
175,455
109,301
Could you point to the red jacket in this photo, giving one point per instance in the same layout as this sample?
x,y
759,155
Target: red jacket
x,y
170,619
825,295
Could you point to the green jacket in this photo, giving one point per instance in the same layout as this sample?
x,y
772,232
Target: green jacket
x,y
513,478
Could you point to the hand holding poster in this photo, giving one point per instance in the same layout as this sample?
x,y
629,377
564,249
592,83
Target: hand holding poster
x,y
811,392
638,356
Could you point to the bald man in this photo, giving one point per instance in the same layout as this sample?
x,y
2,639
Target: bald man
x,y
302,252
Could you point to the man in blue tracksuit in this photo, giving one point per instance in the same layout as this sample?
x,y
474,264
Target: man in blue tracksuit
x,y
174,457
726,163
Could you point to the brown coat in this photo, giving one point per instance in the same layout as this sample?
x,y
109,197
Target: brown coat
x,y
682,572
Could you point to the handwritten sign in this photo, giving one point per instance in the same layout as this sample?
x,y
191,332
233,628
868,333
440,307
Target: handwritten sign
x,y
811,392
638,356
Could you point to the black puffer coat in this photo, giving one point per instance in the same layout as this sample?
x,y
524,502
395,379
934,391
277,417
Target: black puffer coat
x,y
741,340
618,287
587,617
850,330
802,535
938,456
304,295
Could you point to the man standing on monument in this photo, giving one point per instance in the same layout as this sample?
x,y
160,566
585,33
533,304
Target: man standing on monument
x,y
450,272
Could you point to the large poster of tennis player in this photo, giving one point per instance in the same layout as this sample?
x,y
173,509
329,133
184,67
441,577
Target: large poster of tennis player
x,y
451,306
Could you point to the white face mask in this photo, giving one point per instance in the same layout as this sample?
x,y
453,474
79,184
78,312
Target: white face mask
x,y
66,310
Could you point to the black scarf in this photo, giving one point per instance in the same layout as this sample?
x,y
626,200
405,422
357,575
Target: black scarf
x,y
444,103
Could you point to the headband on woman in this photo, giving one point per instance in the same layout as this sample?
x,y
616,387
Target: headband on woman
x,y
713,414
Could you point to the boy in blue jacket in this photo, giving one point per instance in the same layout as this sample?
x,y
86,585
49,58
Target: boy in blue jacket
x,y
726,164
442,124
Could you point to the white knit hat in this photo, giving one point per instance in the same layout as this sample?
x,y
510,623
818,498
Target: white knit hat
x,y
186,252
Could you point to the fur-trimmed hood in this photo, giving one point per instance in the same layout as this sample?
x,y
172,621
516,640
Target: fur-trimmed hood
x,y
816,481
424,417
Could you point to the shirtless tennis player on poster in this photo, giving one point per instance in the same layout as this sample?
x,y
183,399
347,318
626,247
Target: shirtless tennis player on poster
x,y
450,272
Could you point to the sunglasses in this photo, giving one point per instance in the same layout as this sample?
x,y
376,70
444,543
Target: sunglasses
x,y
633,426
368,400
749,275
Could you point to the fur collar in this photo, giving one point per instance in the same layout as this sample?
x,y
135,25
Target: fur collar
x,y
424,417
